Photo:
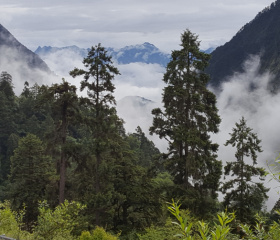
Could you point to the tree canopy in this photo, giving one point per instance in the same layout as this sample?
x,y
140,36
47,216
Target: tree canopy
x,y
188,117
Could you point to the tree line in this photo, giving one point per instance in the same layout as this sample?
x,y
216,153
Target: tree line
x,y
56,146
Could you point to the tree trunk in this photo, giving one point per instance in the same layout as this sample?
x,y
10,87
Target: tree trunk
x,y
62,165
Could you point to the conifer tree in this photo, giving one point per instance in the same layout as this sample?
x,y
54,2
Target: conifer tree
x,y
189,115
8,126
30,172
244,193
65,107
100,118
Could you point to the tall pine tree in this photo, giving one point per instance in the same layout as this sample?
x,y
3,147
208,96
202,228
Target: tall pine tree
x,y
65,109
188,117
243,193
102,122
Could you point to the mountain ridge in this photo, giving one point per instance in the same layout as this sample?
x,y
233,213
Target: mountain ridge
x,y
145,53
8,40
261,36
20,62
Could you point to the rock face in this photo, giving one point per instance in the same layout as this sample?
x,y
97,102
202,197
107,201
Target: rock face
x,y
261,37
20,62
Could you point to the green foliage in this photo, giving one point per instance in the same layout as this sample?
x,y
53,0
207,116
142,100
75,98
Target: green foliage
x,y
59,223
221,231
191,229
97,234
11,222
165,232
48,133
274,169
7,219
103,127
241,195
147,152
64,110
30,172
189,116
136,199
8,126
184,223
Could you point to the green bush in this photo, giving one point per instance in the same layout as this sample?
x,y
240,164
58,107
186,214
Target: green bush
x,y
57,224
11,221
97,234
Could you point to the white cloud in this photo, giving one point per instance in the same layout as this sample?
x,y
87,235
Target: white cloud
x,y
247,94
13,62
122,22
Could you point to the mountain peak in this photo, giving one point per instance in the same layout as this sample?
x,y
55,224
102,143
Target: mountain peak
x,y
144,53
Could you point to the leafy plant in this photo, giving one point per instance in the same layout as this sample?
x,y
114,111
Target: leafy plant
x,y
221,230
59,223
183,222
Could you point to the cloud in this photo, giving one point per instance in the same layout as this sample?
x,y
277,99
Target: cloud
x,y
136,79
16,64
125,22
247,94
140,79
244,94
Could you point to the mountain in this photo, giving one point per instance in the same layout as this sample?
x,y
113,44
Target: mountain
x,y
47,50
19,61
261,37
144,53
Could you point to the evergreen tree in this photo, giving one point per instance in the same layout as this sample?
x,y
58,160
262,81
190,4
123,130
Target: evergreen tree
x,y
8,126
65,107
189,116
147,152
30,171
34,115
136,199
102,121
243,193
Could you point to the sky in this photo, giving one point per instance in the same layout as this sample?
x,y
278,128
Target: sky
x,y
118,23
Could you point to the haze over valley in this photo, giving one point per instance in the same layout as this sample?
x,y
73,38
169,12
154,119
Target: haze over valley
x,y
244,76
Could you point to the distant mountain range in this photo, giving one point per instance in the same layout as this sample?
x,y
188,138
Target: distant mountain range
x,y
144,53
261,37
19,61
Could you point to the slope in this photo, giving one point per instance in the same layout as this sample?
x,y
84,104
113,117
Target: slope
x,y
20,62
261,37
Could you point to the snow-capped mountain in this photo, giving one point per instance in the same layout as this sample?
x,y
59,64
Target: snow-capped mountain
x,y
144,53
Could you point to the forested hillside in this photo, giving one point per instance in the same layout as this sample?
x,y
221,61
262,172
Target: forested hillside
x,y
69,170
261,37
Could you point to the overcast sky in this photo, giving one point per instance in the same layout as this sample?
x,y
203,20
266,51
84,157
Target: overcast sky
x,y
118,23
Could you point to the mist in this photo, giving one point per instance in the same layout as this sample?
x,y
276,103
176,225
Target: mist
x,y
248,94
243,94
15,63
